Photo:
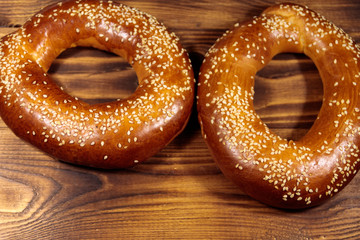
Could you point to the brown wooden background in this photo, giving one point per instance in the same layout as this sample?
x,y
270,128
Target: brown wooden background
x,y
179,193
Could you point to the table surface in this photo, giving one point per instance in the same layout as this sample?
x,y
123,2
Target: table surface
x,y
179,192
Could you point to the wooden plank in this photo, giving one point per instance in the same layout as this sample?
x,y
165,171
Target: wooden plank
x,y
179,192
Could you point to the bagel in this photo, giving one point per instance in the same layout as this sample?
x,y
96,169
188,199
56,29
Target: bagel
x,y
279,172
116,134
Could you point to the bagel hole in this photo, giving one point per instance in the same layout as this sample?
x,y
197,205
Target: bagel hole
x,y
94,76
288,95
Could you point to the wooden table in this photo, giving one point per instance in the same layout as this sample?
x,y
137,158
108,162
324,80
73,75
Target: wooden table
x,y
179,193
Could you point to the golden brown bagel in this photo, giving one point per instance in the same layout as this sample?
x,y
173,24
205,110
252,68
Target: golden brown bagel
x,y
111,135
278,172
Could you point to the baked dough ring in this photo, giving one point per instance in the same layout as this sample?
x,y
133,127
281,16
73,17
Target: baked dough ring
x,y
281,173
111,135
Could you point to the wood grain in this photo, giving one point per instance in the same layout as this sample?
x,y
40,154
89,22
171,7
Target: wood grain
x,y
179,193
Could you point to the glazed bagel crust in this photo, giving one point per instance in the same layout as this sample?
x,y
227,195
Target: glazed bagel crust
x,y
281,173
111,135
